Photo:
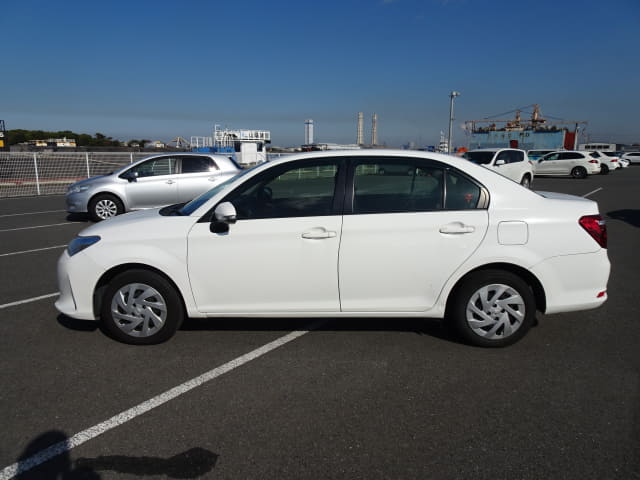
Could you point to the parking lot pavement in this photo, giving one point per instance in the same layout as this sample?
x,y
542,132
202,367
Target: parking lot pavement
x,y
384,398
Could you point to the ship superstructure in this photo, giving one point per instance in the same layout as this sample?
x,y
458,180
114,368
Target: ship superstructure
x,y
532,134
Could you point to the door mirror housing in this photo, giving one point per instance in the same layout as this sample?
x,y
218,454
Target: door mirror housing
x,y
130,175
225,213
499,162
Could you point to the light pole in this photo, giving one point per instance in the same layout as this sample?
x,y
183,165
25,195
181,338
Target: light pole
x,y
452,95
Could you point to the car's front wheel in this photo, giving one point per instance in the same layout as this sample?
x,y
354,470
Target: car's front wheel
x,y
526,181
492,308
141,307
604,170
105,205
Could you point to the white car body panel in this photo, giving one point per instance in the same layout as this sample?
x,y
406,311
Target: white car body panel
x,y
269,262
374,277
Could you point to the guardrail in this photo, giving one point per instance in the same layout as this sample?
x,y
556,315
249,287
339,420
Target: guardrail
x,y
49,173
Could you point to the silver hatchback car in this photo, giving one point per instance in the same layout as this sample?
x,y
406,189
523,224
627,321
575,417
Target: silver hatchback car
x,y
151,182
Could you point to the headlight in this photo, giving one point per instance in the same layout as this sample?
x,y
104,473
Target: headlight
x,y
80,243
77,188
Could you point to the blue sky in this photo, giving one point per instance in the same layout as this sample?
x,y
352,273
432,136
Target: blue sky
x,y
161,69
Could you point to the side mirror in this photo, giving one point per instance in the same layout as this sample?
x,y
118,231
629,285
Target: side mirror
x,y
130,175
223,216
499,162
225,213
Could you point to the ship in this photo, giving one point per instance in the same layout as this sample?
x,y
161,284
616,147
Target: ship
x,y
536,133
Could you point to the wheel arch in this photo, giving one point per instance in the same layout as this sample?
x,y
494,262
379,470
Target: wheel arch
x,y
107,276
118,195
533,282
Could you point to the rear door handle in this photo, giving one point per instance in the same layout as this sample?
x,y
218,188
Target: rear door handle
x,y
319,233
457,228
170,181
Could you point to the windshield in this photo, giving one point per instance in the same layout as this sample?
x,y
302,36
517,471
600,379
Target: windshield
x,y
481,158
200,200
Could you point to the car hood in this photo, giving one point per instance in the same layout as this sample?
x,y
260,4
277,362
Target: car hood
x,y
99,180
128,224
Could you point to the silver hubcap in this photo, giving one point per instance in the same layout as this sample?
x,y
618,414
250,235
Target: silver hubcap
x,y
495,311
106,209
138,310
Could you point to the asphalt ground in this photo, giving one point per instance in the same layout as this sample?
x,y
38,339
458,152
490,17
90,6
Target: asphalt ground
x,y
351,399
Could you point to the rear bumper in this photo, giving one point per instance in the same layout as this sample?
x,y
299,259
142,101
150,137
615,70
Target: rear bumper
x,y
574,282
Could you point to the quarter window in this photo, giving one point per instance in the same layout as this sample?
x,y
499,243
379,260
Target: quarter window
x,y
461,192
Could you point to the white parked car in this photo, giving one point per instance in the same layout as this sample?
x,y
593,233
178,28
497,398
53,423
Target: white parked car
x,y
510,162
608,162
631,157
151,182
568,162
328,235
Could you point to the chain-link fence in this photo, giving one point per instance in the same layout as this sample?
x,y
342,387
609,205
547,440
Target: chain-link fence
x,y
47,173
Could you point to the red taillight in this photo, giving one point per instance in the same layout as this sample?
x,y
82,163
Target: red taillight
x,y
596,227
614,159
593,161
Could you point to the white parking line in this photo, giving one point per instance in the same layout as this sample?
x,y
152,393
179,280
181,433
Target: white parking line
x,y
117,420
38,226
591,193
30,213
29,251
29,300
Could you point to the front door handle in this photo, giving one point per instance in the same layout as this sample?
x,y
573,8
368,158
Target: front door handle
x,y
457,228
319,233
169,181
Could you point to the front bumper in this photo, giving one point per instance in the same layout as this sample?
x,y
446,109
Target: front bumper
x,y
77,278
77,202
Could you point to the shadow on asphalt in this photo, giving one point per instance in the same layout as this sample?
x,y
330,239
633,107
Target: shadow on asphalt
x,y
54,444
79,217
420,326
630,216
77,325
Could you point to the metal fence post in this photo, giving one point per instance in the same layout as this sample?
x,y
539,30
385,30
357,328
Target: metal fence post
x,y
130,157
35,166
87,160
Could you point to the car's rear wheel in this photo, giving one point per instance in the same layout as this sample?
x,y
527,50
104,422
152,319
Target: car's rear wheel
x,y
604,170
579,172
492,308
141,307
526,181
105,205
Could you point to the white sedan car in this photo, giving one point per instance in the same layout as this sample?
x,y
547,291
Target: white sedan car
x,y
328,235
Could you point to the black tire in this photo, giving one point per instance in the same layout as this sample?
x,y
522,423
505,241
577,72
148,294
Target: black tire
x,y
105,205
604,170
526,181
504,322
156,309
579,172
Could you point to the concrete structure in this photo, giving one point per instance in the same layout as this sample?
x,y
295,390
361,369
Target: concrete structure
x,y
360,137
308,132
